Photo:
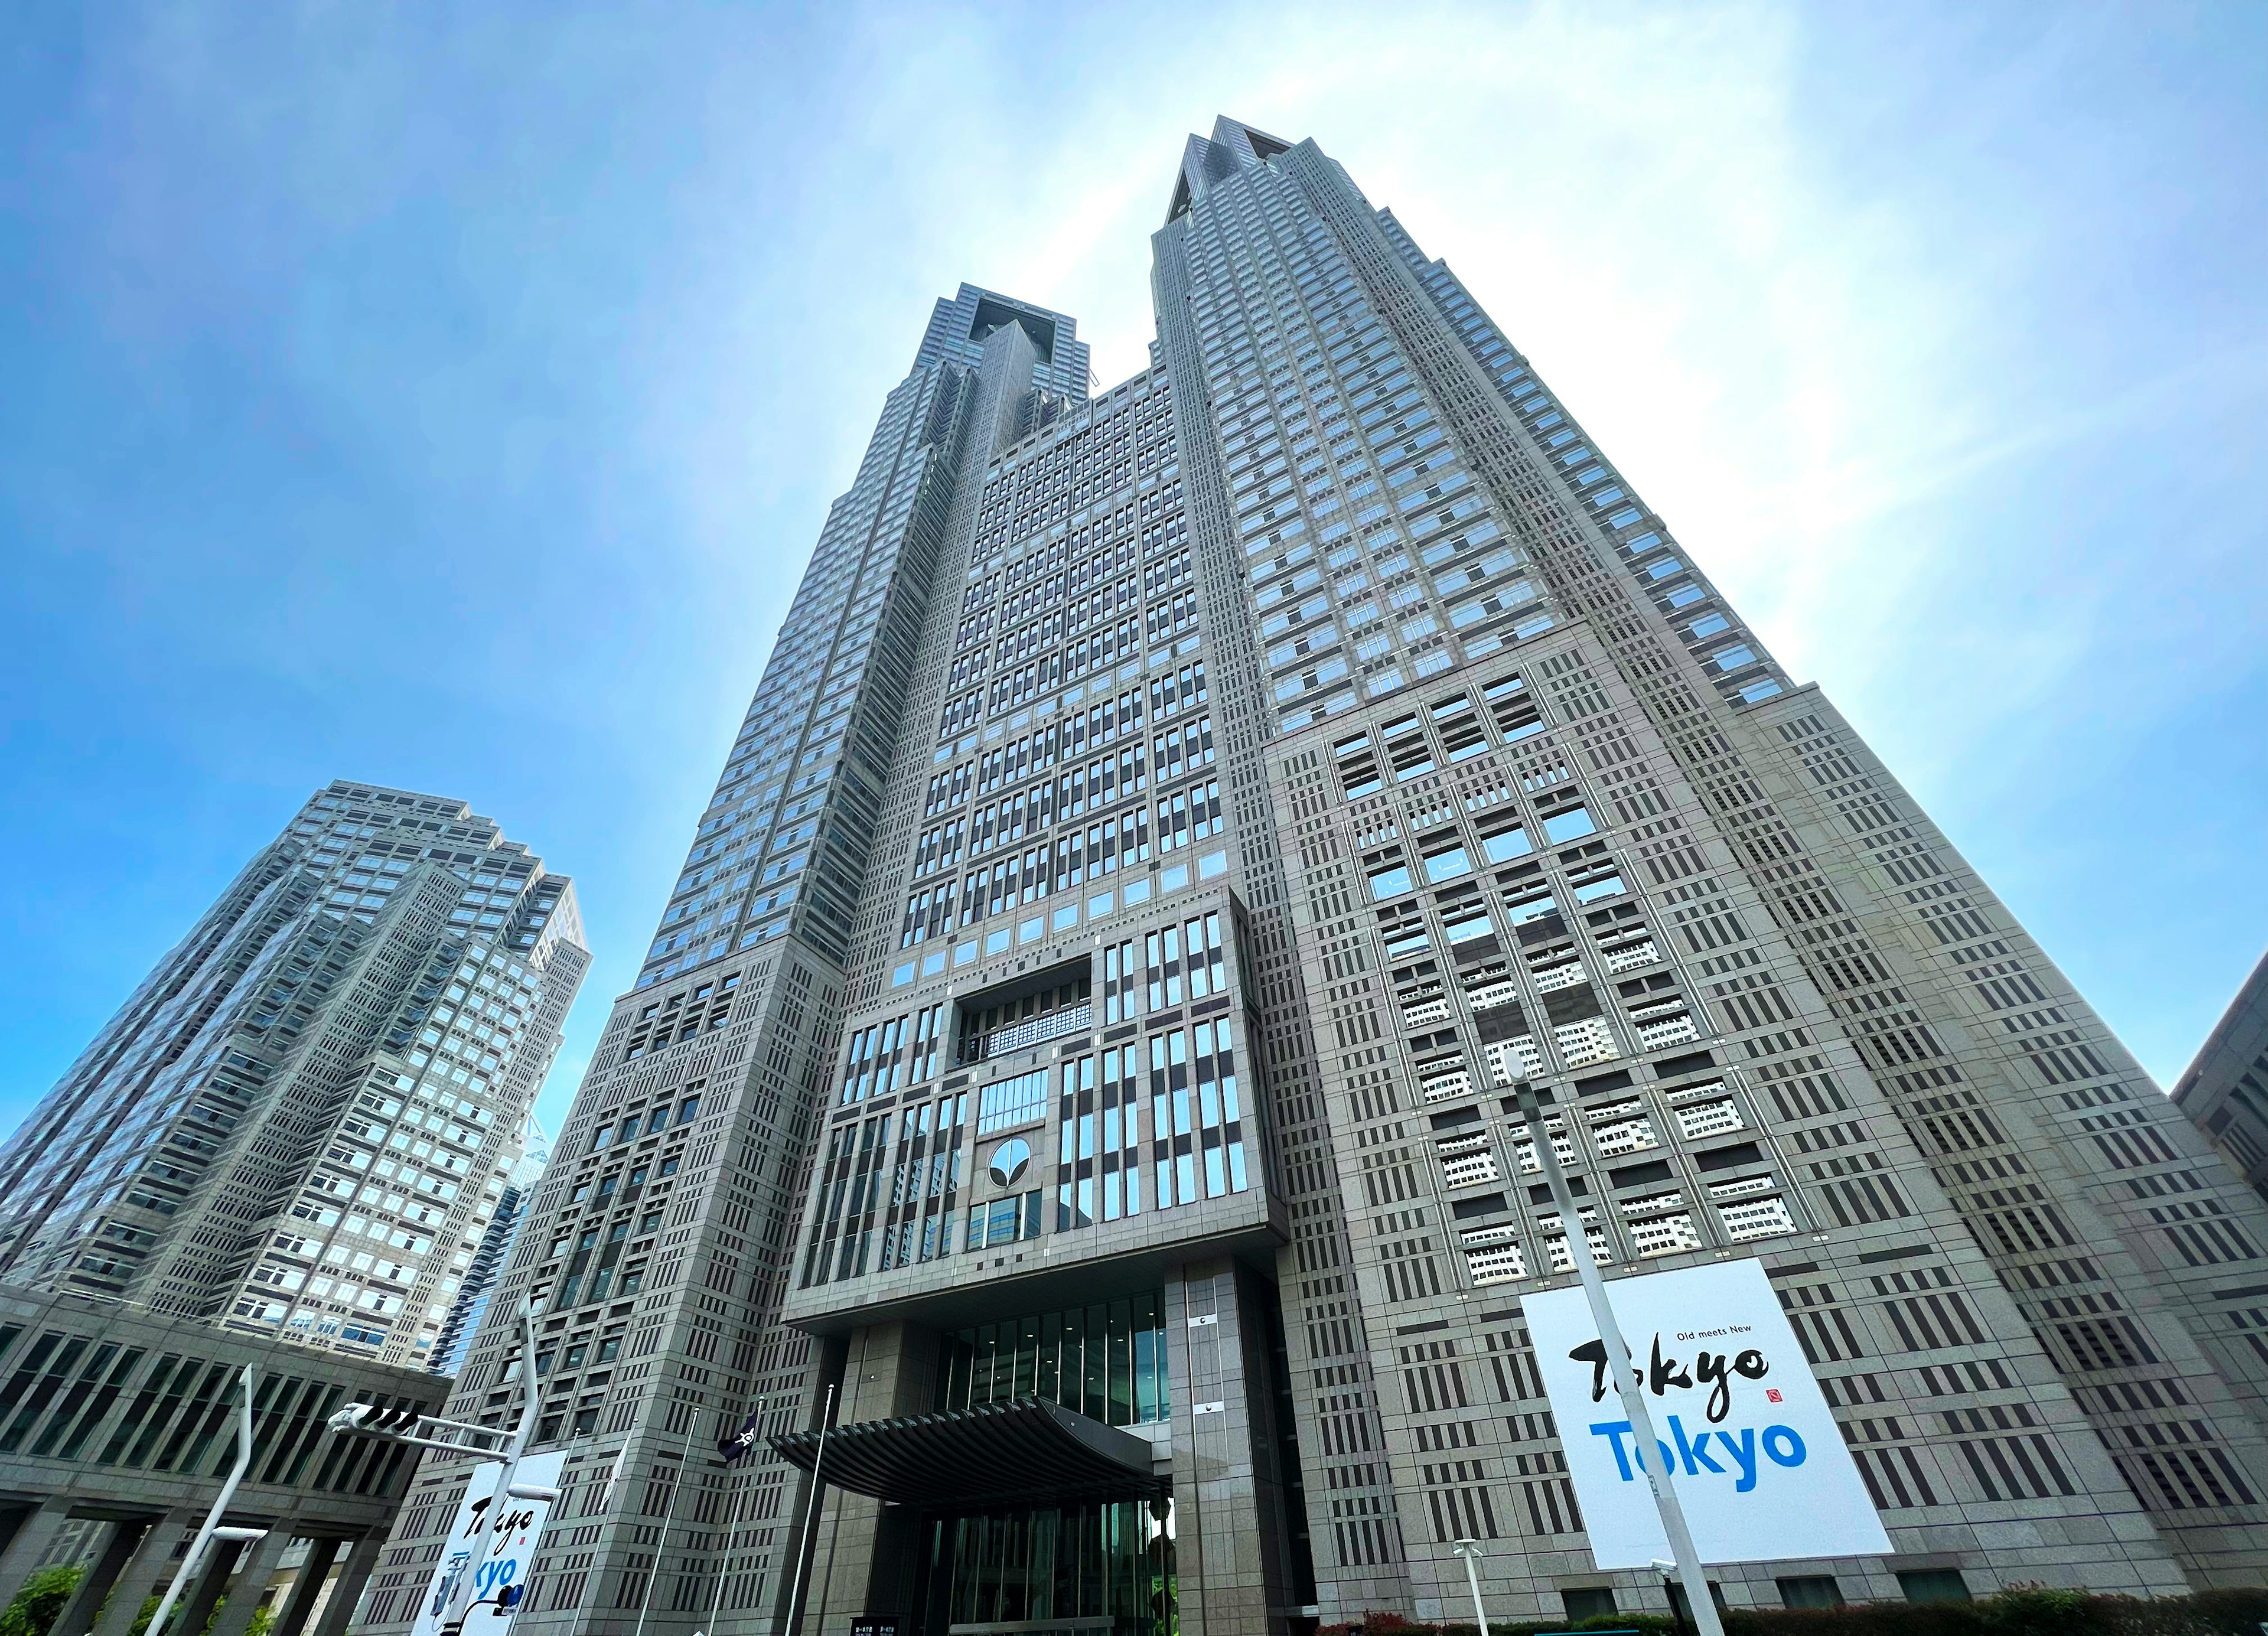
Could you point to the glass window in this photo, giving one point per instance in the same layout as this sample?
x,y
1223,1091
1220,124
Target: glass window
x,y
1447,864
1529,909
1011,1101
1466,930
1934,1584
1390,882
1596,1602
1571,825
1810,1590
1507,845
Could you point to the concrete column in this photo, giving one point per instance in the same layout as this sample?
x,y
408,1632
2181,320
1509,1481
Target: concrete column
x,y
196,1604
347,1594
36,1530
254,1569
868,1551
95,1588
306,1590
146,1571
1225,1486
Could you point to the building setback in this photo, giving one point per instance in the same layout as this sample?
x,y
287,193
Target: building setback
x,y
1080,1041
301,1123
2225,1093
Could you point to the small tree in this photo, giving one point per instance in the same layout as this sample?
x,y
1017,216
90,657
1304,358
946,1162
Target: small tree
x,y
40,1603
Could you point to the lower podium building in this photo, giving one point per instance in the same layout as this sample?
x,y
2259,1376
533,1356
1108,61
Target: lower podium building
x,y
118,1428
1067,1105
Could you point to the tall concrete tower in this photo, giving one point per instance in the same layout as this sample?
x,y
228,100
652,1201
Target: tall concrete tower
x,y
301,1123
1082,1040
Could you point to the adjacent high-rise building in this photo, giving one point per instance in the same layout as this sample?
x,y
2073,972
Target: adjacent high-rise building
x,y
303,1121
524,1159
1079,1047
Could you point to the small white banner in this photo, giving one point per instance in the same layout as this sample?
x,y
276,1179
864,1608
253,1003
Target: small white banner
x,y
501,1579
1742,1426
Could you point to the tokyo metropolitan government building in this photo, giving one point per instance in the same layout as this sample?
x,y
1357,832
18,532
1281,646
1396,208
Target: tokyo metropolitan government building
x,y
1081,1041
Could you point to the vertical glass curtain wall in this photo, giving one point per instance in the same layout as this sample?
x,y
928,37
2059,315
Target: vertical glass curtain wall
x,y
1097,1566
1105,1361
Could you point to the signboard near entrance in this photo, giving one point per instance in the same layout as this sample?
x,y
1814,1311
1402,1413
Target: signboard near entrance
x,y
1759,1462
501,1572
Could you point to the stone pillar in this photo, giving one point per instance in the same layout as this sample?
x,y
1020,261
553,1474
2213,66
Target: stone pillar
x,y
36,1528
144,1574
347,1594
196,1604
866,1550
102,1574
1225,1478
254,1569
306,1590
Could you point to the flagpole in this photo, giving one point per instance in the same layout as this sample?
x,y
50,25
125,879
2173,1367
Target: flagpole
x,y
725,1564
810,1513
684,1470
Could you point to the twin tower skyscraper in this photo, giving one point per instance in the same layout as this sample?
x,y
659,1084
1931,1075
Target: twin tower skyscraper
x,y
1078,1048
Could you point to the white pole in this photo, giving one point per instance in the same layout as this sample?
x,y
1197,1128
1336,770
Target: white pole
x,y
810,1511
1664,1484
1470,1551
156,1625
461,1605
684,1473
724,1562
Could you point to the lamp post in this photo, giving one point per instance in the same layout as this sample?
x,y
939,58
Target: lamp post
x,y
461,1605
1470,1551
475,1439
212,1529
1663,1483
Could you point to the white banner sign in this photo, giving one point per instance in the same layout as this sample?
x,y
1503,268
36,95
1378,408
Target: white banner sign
x,y
1742,1428
501,1543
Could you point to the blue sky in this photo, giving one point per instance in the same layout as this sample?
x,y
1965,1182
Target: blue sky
x,y
449,397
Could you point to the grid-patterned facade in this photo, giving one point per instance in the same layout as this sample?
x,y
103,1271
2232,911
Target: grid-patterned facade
x,y
302,1122
657,1247
1279,755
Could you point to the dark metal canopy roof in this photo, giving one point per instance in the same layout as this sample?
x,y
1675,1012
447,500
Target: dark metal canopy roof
x,y
1028,1451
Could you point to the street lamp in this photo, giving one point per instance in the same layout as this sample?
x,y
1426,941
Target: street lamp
x,y
459,1438
1663,1484
1470,1551
212,1529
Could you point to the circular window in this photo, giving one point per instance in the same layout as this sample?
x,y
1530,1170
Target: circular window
x,y
1009,1159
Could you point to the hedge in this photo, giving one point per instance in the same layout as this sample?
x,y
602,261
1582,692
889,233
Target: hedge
x,y
2027,1610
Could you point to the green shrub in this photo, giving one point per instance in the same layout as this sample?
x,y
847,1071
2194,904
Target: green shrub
x,y
40,1603
2017,1610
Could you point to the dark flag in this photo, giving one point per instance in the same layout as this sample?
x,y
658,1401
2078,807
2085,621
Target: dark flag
x,y
742,1440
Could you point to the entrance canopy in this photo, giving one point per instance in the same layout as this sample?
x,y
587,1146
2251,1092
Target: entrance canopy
x,y
1027,1452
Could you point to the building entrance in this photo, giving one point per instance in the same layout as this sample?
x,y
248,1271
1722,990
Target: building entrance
x,y
1099,1569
